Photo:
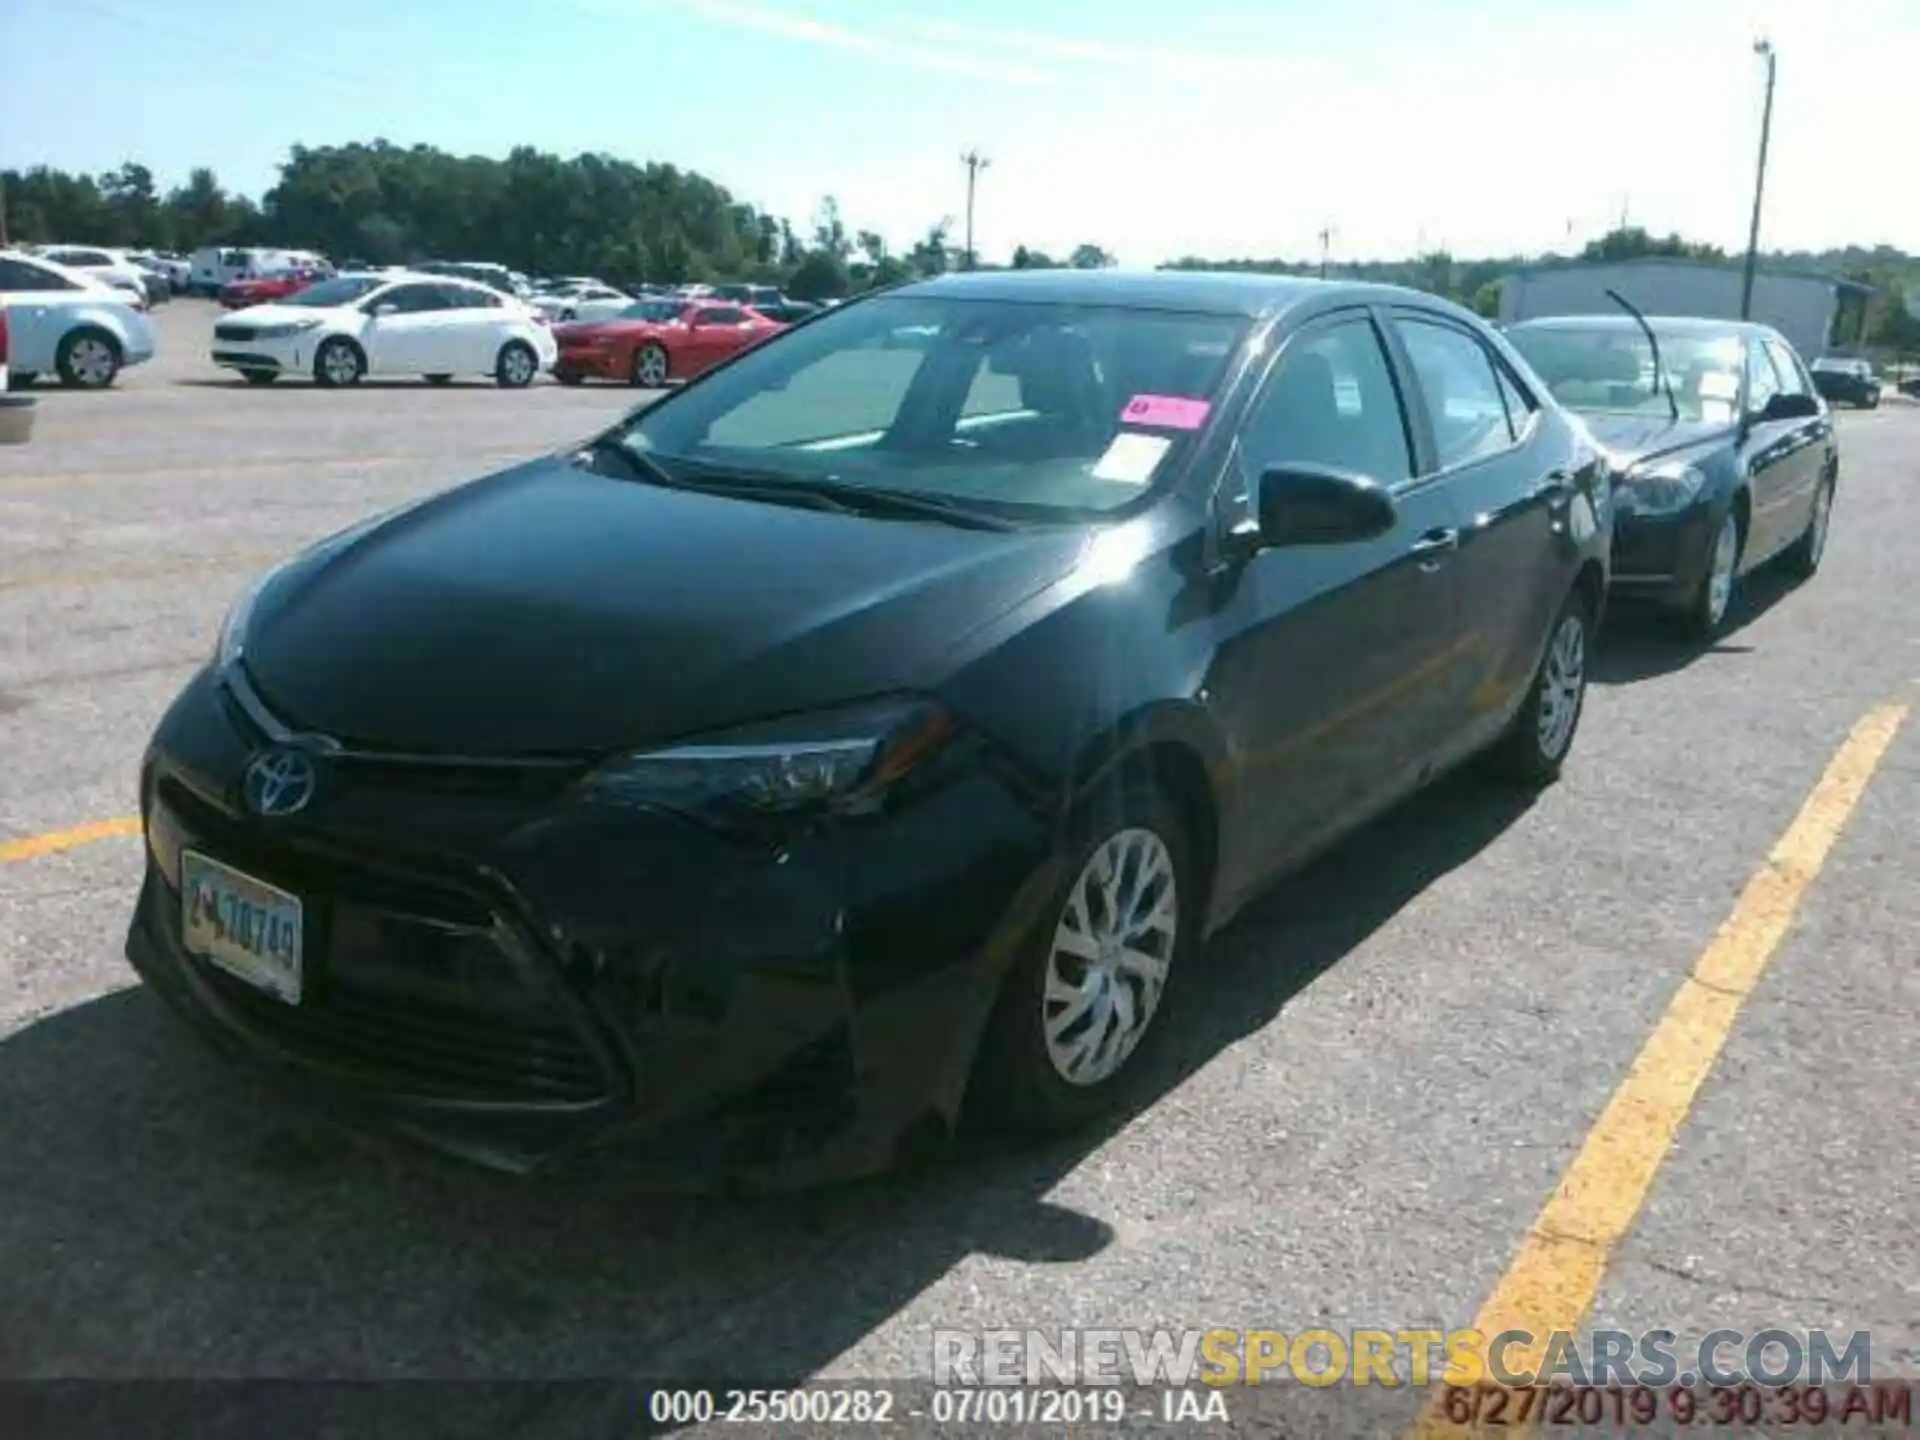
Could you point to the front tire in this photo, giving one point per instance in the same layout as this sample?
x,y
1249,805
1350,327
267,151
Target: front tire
x,y
517,366
88,359
1087,995
1535,747
651,366
338,362
1713,597
1803,558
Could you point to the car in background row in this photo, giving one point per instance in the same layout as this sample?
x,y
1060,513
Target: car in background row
x,y
215,266
654,342
563,300
177,269
801,762
480,272
1846,381
277,285
352,326
1725,454
69,323
16,411
110,267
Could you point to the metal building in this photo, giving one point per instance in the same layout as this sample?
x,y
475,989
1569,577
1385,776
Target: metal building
x,y
1819,314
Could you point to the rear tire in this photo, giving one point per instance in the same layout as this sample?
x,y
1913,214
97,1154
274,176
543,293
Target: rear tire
x,y
1088,994
22,379
517,366
88,359
338,362
1536,745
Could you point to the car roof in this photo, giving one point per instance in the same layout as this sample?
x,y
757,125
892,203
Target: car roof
x,y
1689,325
66,272
1241,293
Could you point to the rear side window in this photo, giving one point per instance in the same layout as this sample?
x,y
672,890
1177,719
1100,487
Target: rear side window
x,y
1331,401
465,297
411,299
1458,381
18,275
720,315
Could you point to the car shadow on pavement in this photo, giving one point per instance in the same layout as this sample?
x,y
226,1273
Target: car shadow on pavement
x,y
306,382
164,1217
1638,644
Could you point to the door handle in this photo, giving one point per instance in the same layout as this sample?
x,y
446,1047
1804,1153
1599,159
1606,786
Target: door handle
x,y
1433,547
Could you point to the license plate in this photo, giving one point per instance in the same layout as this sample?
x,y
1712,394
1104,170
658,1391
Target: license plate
x,y
245,926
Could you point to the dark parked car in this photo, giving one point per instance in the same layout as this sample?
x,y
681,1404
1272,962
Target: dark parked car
x,y
865,731
1846,382
1726,454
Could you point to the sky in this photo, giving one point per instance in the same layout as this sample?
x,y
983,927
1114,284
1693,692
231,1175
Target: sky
x,y
1154,128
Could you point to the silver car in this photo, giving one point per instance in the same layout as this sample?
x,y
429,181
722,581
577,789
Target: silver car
x,y
65,322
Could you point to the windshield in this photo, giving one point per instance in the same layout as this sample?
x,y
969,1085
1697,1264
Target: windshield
x,y
341,291
1008,407
1609,369
657,311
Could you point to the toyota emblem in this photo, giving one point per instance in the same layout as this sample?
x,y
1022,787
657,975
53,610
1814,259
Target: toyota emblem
x,y
279,782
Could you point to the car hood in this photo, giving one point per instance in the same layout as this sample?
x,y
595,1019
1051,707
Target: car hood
x,y
275,314
614,329
1627,438
552,610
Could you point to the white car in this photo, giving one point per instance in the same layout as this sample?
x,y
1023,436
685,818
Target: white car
x,y
564,300
406,324
110,267
69,322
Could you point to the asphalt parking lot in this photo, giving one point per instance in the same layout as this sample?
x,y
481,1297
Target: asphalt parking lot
x,y
1379,1079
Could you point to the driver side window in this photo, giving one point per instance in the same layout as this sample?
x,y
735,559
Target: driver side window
x,y
1332,402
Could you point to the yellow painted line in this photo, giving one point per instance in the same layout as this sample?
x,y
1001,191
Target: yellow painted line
x,y
55,841
1554,1277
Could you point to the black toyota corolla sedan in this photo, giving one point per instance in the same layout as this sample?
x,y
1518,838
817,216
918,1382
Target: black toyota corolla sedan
x,y
870,731
1725,451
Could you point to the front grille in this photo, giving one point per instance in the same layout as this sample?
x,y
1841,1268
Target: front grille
x,y
404,985
420,1048
233,332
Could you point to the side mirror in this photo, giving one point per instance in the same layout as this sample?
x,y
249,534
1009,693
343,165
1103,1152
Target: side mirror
x,y
1321,505
1784,406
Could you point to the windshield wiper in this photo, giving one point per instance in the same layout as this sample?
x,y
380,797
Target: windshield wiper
x,y
845,498
637,465
1660,382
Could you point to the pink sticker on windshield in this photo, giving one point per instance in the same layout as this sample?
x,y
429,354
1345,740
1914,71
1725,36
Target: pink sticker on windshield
x,y
1166,412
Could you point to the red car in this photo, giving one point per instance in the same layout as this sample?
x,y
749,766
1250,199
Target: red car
x,y
238,294
652,342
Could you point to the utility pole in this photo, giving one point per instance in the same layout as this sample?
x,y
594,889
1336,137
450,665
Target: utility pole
x,y
1764,49
975,163
3,213
1326,245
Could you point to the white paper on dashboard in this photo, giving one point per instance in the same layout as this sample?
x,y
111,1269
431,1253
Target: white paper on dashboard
x,y
1132,458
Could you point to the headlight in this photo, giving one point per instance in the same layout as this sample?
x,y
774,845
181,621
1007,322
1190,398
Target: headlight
x,y
1661,489
838,762
281,332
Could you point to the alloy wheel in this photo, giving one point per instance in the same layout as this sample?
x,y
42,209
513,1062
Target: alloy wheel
x,y
1563,685
650,366
1106,969
516,365
341,365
